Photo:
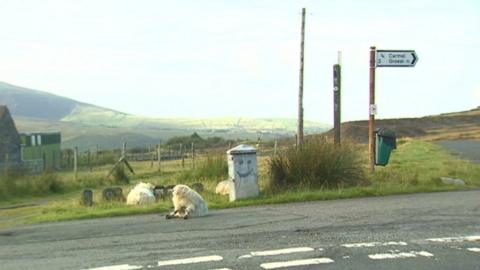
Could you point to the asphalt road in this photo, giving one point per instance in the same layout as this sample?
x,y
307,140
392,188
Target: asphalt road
x,y
418,231
467,149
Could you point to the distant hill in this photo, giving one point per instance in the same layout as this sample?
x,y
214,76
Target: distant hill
x,y
448,126
31,103
86,125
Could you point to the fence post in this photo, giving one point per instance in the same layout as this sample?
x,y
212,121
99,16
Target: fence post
x,y
182,147
124,149
275,148
44,159
75,160
96,155
159,155
152,156
193,155
88,160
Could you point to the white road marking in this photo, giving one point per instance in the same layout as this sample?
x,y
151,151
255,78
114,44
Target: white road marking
x,y
471,238
374,244
275,265
281,251
245,256
474,249
411,254
117,267
277,252
214,258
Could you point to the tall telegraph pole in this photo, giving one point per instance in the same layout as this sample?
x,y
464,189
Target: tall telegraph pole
x,y
337,87
372,110
300,90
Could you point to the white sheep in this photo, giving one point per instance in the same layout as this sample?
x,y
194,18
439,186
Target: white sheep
x,y
223,187
187,203
141,194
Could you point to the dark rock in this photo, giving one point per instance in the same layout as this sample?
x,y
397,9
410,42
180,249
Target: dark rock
x,y
113,194
87,197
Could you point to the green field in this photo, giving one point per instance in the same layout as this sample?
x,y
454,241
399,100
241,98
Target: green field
x,y
88,126
416,166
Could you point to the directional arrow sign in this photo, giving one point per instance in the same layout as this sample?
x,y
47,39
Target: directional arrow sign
x,y
396,58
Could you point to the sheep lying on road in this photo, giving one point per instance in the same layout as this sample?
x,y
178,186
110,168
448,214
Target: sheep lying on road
x,y
187,203
141,194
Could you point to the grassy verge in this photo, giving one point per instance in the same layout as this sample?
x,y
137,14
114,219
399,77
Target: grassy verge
x,y
415,166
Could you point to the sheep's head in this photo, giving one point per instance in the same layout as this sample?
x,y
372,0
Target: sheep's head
x,y
180,190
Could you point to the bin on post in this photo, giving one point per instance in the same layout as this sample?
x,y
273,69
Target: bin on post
x,y
385,142
242,171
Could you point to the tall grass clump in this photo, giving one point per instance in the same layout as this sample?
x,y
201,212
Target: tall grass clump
x,y
12,186
48,182
317,164
211,168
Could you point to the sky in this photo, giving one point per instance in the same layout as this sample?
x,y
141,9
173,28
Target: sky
x,y
211,58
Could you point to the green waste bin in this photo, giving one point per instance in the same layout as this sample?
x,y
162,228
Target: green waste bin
x,y
385,142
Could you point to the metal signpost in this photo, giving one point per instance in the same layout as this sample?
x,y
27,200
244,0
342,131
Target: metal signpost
x,y
396,58
383,58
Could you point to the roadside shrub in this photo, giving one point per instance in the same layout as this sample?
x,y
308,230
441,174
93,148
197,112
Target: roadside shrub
x,y
317,164
30,185
119,175
5,185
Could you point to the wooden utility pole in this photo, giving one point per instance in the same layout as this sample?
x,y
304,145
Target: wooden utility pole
x,y
372,111
337,86
300,90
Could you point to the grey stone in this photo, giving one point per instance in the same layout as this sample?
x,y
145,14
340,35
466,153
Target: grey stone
x,y
87,197
113,194
158,192
452,181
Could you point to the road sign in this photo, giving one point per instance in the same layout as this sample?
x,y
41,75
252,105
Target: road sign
x,y
396,58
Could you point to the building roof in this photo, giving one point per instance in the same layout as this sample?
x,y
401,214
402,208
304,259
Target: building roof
x,y
40,133
9,138
3,110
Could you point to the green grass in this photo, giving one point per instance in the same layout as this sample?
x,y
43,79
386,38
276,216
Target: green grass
x,y
418,163
415,166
